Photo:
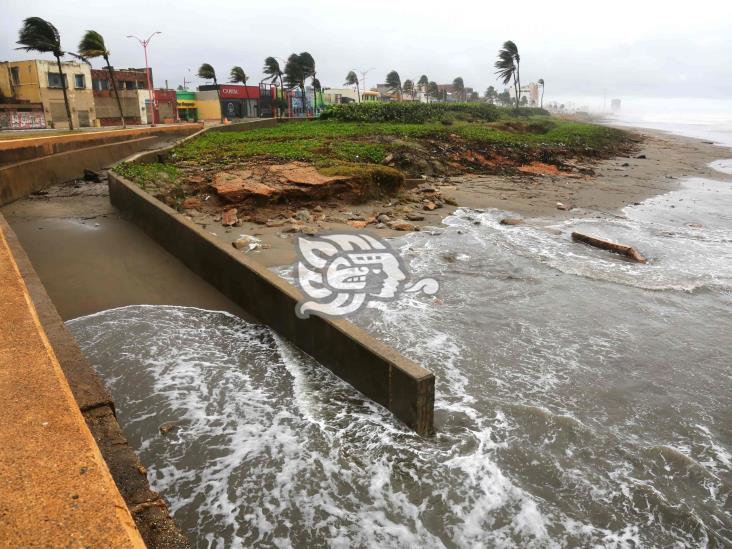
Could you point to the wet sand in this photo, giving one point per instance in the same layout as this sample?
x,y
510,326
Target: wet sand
x,y
90,259
617,183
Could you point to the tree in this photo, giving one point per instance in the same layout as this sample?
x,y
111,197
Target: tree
x,y
317,88
408,88
458,86
39,35
352,80
474,96
504,98
92,45
394,83
299,67
491,94
433,90
274,72
207,72
508,65
238,76
541,83
524,101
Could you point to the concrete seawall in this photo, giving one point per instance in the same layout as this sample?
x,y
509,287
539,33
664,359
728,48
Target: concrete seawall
x,y
94,403
29,165
379,372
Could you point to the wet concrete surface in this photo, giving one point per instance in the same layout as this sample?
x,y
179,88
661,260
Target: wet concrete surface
x,y
91,259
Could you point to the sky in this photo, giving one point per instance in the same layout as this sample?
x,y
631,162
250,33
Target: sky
x,y
584,51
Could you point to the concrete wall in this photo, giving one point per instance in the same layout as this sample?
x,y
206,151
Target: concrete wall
x,y
62,158
378,371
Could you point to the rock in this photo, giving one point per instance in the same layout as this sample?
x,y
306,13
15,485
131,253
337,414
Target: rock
x,y
511,221
451,201
318,208
356,217
402,225
561,206
239,185
383,218
91,175
229,217
302,215
415,217
427,190
389,159
430,206
357,224
641,156
625,164
276,222
191,202
169,427
302,174
247,243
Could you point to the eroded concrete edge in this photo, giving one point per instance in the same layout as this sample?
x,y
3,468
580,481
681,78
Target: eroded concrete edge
x,y
148,509
375,369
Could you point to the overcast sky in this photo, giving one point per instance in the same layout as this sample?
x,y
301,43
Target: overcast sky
x,y
581,49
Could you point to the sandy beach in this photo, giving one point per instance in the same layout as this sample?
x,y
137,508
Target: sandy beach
x,y
653,169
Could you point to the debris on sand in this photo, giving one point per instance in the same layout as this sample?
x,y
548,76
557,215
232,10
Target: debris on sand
x,y
623,249
229,217
247,243
511,221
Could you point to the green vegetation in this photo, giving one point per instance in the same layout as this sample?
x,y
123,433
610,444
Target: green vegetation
x,y
415,112
147,176
323,141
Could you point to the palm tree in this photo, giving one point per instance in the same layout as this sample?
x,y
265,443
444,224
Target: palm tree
x,y
491,94
394,83
238,76
422,83
274,72
39,35
408,88
317,88
352,80
541,83
507,71
299,68
92,45
458,86
433,90
207,72
509,54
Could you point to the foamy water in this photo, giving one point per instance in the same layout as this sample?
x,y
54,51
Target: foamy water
x,y
582,399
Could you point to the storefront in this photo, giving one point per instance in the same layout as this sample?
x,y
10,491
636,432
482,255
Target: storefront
x,y
187,106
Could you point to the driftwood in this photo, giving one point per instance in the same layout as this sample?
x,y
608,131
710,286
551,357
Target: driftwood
x,y
628,251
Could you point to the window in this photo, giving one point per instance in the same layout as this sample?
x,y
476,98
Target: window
x,y
100,85
54,80
15,75
140,85
79,81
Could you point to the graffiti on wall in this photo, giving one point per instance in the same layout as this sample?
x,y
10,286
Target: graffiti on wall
x,y
22,120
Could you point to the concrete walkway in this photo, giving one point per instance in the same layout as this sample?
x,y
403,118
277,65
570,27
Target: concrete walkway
x,y
55,488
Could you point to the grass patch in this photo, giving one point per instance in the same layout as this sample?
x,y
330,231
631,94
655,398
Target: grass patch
x,y
147,176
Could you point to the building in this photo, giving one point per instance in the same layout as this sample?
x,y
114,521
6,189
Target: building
x,y
337,96
38,82
186,106
133,94
236,101
530,91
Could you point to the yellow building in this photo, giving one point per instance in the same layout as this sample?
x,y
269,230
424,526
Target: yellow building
x,y
38,81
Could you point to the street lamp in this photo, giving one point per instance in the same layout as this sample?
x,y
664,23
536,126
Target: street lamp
x,y
144,44
363,76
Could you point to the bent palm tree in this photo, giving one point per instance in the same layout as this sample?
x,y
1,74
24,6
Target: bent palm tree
x,y
299,68
39,35
394,83
274,72
207,72
510,50
352,80
458,86
92,45
238,76
507,71
541,83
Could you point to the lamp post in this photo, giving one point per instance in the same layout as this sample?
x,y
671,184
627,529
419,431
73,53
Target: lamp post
x,y
144,44
363,76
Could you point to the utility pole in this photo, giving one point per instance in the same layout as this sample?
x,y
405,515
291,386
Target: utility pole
x,y
144,44
363,76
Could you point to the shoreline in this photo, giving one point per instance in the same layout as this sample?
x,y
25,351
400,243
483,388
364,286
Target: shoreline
x,y
655,168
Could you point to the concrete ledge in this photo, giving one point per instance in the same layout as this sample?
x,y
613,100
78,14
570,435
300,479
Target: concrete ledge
x,y
148,510
372,367
56,488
